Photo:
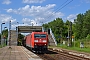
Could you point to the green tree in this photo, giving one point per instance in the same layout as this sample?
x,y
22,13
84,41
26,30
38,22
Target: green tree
x,y
5,33
86,23
20,39
79,26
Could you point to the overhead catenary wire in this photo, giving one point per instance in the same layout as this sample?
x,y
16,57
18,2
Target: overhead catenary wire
x,y
60,7
65,5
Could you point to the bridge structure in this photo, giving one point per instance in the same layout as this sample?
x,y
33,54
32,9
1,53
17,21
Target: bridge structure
x,y
28,29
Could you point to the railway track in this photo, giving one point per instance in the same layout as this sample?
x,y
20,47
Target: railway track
x,y
47,55
55,54
58,55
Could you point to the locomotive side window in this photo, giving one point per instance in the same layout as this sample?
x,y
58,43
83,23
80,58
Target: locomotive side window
x,y
40,35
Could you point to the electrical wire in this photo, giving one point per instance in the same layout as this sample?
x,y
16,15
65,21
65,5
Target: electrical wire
x,y
62,6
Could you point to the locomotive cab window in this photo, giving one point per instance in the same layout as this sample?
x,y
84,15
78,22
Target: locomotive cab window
x,y
40,35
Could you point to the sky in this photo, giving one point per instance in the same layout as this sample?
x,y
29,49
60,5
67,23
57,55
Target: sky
x,y
38,12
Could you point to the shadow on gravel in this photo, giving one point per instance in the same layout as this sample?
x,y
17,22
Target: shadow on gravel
x,y
50,52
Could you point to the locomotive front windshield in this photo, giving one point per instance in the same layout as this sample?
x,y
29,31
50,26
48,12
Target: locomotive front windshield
x,y
40,36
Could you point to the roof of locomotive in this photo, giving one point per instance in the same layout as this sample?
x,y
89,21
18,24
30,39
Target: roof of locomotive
x,y
39,32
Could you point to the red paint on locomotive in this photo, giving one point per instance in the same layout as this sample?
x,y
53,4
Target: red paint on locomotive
x,y
37,40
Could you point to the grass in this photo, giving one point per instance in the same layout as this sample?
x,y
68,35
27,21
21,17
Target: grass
x,y
87,50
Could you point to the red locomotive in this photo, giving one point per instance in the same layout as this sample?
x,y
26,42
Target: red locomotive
x,y
37,41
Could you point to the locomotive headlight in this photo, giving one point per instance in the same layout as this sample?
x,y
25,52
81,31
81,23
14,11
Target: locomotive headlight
x,y
44,41
35,40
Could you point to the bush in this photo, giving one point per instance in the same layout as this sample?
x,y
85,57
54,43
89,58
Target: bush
x,y
88,36
77,44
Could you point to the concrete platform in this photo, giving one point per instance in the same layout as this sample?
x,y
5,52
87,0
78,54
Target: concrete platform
x,y
17,53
